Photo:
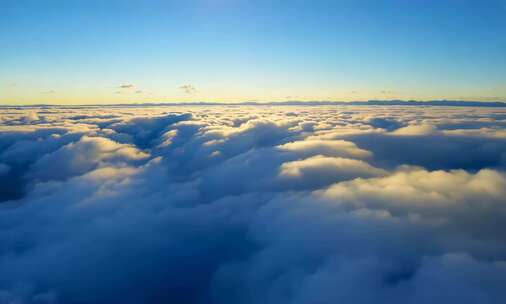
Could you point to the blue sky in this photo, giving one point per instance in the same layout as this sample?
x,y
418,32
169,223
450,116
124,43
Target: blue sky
x,y
236,50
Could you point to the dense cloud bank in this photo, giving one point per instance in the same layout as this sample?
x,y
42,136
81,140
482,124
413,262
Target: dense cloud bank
x,y
253,204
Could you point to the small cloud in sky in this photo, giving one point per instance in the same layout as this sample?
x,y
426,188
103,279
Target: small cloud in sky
x,y
128,89
388,92
48,92
126,86
188,89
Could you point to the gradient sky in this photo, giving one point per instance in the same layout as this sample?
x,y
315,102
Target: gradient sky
x,y
90,51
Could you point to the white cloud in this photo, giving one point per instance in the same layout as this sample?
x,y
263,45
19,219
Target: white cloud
x,y
252,204
326,147
416,130
320,167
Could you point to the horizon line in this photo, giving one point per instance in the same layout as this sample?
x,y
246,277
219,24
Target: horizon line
x,y
379,102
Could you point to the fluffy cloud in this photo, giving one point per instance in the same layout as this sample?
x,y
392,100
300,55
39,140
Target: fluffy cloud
x,y
415,130
252,204
188,89
321,170
126,86
84,156
326,147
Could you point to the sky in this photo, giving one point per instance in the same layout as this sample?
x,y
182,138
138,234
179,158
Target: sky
x,y
252,205
90,52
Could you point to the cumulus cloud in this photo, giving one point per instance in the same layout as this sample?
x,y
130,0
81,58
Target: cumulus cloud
x,y
188,89
83,156
388,92
30,117
326,147
325,170
252,204
128,89
126,86
416,130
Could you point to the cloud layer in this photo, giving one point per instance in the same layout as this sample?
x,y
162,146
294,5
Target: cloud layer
x,y
252,204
